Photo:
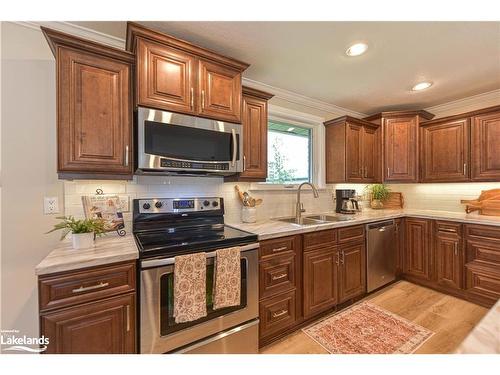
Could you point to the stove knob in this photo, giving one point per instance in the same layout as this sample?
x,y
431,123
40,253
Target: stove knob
x,y
158,204
206,203
146,206
215,203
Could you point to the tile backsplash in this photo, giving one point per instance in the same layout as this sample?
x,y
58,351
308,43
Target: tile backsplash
x,y
276,203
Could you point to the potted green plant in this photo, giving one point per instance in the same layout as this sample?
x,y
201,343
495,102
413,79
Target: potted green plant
x,y
82,231
379,193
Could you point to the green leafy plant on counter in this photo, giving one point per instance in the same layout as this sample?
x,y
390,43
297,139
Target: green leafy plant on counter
x,y
378,191
70,225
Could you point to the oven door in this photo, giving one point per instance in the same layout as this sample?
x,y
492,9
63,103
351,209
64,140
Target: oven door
x,y
159,332
172,142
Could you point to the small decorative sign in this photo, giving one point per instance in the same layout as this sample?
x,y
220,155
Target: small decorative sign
x,y
106,207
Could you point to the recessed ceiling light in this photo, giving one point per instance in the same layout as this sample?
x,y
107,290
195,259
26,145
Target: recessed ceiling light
x,y
290,129
421,86
356,49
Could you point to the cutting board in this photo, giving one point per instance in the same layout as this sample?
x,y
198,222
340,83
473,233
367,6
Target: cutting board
x,y
488,203
394,202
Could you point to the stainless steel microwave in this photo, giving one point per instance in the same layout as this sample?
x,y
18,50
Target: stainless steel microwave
x,y
171,143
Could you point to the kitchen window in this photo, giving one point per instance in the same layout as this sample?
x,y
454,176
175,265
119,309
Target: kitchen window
x,y
289,153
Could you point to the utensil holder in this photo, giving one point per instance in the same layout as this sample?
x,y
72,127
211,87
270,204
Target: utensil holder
x,y
248,214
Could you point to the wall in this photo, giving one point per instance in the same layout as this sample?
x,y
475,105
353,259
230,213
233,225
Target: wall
x,y
28,156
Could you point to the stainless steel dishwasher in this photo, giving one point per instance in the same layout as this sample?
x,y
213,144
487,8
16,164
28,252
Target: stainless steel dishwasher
x,y
381,254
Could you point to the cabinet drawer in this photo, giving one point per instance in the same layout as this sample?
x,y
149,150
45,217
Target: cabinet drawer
x,y
483,231
70,288
277,313
483,281
277,275
449,228
349,234
278,246
483,251
320,239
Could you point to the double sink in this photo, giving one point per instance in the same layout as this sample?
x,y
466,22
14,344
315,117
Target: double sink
x,y
315,219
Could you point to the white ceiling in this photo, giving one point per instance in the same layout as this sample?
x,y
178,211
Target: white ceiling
x,y
461,58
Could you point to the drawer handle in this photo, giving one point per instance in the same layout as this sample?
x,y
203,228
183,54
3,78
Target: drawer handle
x,y
448,230
281,276
279,313
275,250
84,289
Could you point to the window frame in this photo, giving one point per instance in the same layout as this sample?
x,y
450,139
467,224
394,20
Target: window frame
x,y
305,120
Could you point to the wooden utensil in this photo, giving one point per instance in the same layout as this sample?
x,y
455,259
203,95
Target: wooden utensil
x,y
240,194
258,201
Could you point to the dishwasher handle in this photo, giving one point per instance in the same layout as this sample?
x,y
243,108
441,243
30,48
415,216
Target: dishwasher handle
x,y
381,225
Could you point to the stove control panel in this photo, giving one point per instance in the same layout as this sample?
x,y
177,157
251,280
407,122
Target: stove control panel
x,y
179,205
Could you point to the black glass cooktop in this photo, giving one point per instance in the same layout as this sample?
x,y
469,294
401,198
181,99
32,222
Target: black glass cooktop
x,y
176,241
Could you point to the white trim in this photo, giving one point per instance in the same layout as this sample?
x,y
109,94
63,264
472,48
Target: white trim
x,y
293,97
470,103
80,31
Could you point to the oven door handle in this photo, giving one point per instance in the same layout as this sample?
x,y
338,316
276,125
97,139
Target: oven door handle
x,y
167,261
235,147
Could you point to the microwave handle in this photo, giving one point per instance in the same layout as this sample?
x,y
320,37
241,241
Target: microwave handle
x,y
235,147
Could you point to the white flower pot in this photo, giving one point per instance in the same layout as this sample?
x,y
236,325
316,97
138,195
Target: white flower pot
x,y
82,240
249,214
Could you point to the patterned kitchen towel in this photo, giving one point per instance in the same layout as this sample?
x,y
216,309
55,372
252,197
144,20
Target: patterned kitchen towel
x,y
190,295
227,280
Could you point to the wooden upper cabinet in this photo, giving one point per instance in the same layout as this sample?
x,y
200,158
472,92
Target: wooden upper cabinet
x,y
400,143
94,110
417,252
165,77
175,75
219,90
254,122
444,150
352,148
354,152
485,143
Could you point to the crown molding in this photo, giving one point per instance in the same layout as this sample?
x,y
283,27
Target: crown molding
x,y
76,30
295,98
470,103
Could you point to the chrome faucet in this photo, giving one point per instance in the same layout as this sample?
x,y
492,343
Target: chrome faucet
x,y
299,208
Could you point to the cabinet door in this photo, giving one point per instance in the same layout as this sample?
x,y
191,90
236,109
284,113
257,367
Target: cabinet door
x,y
354,153
449,261
417,253
486,147
400,149
103,327
371,154
254,121
94,114
320,280
165,77
352,271
445,151
219,90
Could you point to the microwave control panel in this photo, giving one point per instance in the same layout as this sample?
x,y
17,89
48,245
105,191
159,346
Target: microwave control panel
x,y
169,163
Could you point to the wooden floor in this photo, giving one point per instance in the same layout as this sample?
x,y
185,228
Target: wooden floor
x,y
450,318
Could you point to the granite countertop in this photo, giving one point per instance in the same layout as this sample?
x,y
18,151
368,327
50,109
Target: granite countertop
x,y
267,229
110,248
485,337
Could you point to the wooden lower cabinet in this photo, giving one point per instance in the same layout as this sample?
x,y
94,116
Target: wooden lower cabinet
x,y
352,271
400,245
90,310
449,260
277,313
320,280
417,254
102,327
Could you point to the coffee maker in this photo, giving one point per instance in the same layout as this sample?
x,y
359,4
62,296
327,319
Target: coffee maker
x,y
346,201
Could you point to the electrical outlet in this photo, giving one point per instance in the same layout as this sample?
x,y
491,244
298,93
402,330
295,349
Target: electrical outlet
x,y
50,205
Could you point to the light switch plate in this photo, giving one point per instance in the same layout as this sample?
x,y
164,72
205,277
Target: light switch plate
x,y
50,205
124,203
